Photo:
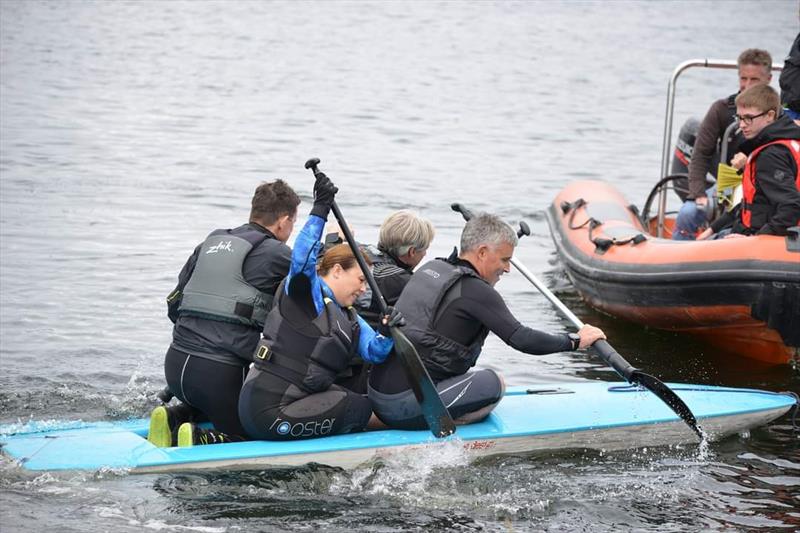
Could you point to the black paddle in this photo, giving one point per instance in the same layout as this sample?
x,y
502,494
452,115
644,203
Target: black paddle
x,y
433,409
606,352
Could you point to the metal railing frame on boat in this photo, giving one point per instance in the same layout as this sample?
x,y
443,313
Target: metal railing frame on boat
x,y
666,147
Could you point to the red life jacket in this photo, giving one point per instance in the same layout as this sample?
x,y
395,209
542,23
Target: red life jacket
x,y
749,180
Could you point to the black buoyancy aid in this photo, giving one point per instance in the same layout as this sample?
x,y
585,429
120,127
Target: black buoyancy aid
x,y
383,265
431,288
217,289
311,354
749,185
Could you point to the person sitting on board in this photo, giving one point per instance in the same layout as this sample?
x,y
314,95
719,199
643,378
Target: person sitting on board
x,y
403,240
224,293
309,336
450,306
790,82
771,183
754,68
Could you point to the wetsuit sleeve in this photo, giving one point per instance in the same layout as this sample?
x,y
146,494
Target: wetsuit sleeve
x,y
775,175
175,297
711,130
303,268
372,346
487,306
726,219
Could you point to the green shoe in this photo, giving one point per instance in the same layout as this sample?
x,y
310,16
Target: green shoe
x,y
160,433
186,435
191,435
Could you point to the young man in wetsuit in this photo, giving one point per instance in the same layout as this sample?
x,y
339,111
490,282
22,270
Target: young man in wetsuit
x,y
224,293
755,68
450,307
771,156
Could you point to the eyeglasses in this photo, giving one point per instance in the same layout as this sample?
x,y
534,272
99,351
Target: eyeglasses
x,y
748,119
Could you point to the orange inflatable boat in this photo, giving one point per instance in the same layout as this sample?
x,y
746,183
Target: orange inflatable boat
x,y
741,295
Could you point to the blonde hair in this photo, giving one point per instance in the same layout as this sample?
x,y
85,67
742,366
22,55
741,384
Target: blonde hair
x,y
403,230
762,97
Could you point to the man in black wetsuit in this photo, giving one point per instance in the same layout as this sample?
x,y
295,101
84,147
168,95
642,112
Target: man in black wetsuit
x,y
450,307
224,293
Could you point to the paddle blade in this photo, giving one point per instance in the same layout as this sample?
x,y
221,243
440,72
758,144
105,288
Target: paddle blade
x,y
669,397
433,409
654,385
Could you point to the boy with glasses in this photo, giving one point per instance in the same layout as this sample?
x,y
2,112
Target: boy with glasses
x,y
754,68
771,161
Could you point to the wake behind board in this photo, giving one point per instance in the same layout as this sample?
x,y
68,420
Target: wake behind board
x,y
590,415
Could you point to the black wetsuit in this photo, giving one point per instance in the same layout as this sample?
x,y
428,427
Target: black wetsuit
x,y
207,361
289,394
464,320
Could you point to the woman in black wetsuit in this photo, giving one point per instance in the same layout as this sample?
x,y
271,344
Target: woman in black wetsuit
x,y
309,337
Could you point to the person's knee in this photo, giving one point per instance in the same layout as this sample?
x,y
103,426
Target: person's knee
x,y
688,221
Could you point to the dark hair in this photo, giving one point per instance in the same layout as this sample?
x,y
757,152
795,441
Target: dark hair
x,y
273,200
341,254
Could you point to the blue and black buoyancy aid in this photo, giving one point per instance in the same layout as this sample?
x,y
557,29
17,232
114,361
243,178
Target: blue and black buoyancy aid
x,y
217,289
308,354
431,288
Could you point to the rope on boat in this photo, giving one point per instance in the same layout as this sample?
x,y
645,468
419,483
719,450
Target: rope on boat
x,y
600,243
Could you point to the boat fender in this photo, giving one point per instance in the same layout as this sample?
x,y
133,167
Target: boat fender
x,y
778,304
793,239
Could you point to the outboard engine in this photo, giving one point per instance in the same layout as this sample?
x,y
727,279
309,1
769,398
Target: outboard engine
x,y
682,155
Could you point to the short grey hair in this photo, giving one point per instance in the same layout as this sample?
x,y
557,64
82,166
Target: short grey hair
x,y
484,228
403,230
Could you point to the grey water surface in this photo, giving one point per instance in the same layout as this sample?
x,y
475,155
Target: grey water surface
x,y
130,129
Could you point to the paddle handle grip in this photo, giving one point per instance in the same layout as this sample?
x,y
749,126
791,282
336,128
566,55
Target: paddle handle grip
x,y
608,354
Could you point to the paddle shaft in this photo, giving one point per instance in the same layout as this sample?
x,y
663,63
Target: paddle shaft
x,y
433,409
604,349
348,237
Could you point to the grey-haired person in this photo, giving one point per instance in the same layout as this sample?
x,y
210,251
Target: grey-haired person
x,y
450,306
